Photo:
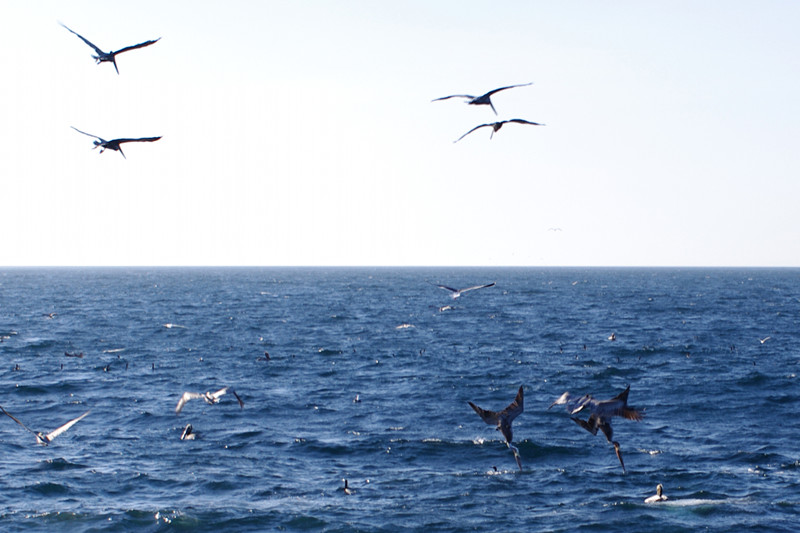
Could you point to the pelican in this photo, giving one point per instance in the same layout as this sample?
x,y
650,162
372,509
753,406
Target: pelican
x,y
114,144
497,125
188,433
346,489
503,420
486,99
46,438
601,413
658,496
456,293
110,56
210,397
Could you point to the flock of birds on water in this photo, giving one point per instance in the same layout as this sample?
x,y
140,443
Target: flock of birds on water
x,y
601,412
116,144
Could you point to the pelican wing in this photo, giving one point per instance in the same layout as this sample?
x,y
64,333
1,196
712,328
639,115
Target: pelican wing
x,y
454,96
61,429
445,287
135,46
490,417
473,129
142,139
241,403
89,134
522,121
490,93
477,287
185,398
84,39
12,417
514,408
588,426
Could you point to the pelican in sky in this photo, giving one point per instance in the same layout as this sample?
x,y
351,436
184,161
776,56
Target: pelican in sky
x,y
486,99
497,125
503,420
110,56
602,411
46,438
456,293
114,144
210,397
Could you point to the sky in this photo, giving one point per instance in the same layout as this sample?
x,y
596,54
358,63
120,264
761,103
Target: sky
x,y
304,133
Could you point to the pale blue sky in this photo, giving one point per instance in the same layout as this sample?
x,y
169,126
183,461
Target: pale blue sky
x,y
303,133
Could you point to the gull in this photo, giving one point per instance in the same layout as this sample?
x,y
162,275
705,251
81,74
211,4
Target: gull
x,y
503,420
456,293
110,56
114,144
765,339
601,413
658,496
210,397
46,438
486,99
497,125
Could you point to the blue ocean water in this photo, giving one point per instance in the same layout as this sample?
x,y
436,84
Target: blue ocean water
x,y
720,431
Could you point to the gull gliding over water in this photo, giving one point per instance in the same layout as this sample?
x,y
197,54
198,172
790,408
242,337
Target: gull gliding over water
x,y
110,56
497,125
114,144
46,438
456,293
503,420
210,397
601,413
485,99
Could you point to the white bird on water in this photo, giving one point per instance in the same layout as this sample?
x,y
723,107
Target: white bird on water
x,y
209,397
658,496
485,99
503,420
46,438
456,293
602,411
110,56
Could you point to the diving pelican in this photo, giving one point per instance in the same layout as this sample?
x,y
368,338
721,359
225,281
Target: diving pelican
x,y
658,496
210,398
456,293
114,144
485,99
497,125
46,438
110,56
602,411
503,420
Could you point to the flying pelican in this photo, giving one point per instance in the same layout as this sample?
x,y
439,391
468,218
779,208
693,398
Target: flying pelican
x,y
46,438
210,397
503,420
658,496
114,144
456,293
486,99
602,412
110,56
497,125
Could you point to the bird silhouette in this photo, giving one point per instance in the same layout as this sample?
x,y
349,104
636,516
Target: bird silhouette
x,y
114,144
497,125
485,99
109,56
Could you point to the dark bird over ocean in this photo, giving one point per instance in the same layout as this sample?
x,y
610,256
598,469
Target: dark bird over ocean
x,y
110,56
503,420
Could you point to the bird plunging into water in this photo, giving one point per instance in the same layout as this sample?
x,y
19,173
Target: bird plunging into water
x,y
497,125
503,420
485,99
46,438
602,411
110,57
114,144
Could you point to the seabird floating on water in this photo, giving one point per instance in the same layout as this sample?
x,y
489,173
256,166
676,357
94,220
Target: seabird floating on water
x,y
485,99
456,293
497,125
114,144
601,413
110,56
346,489
188,433
210,397
46,438
503,420
658,496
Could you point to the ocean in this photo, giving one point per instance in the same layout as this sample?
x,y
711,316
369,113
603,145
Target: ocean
x,y
300,345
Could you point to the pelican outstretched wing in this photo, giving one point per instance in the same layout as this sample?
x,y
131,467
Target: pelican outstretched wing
x,y
61,429
185,398
490,93
477,287
135,46
141,139
89,134
454,96
84,39
15,419
522,121
473,129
